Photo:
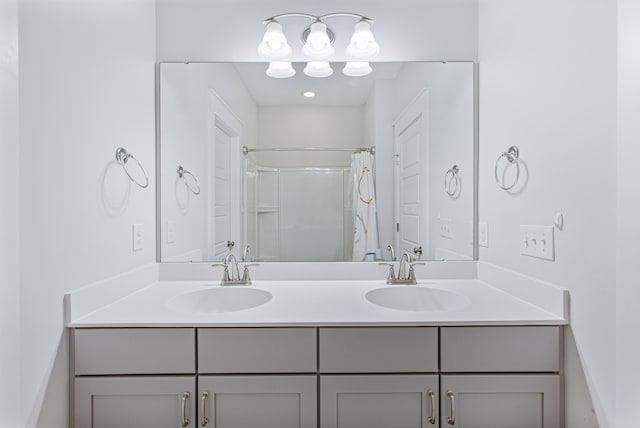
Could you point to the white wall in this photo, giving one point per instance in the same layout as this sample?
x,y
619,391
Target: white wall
x,y
628,210
9,218
548,85
86,88
184,94
322,126
230,30
450,95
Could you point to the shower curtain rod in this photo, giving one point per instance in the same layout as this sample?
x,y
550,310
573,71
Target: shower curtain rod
x,y
372,150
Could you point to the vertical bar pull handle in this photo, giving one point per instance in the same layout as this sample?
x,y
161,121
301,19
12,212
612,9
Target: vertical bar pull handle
x,y
451,420
204,421
185,420
432,417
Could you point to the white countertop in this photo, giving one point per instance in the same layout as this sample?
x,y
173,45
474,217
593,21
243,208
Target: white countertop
x,y
317,303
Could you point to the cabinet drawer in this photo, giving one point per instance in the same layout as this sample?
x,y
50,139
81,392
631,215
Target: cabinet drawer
x,y
500,349
134,351
376,350
257,350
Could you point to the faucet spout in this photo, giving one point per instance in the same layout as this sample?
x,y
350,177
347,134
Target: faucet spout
x,y
232,264
405,260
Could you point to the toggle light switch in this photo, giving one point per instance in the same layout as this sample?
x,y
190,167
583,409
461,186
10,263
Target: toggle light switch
x,y
537,241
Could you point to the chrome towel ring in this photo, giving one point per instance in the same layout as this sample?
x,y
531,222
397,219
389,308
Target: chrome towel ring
x,y
122,157
182,173
452,181
511,155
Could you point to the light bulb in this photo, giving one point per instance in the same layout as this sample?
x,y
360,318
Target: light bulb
x,y
318,69
363,46
356,69
280,70
318,45
274,46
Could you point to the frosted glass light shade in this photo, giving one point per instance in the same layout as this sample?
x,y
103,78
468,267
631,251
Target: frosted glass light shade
x,y
280,70
274,46
318,69
357,69
363,46
318,45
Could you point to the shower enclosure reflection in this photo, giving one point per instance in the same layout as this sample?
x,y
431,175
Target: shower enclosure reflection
x,y
319,213
307,187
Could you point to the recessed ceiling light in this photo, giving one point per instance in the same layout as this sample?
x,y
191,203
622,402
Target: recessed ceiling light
x,y
309,94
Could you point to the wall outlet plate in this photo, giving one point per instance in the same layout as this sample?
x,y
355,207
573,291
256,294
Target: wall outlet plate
x,y
537,241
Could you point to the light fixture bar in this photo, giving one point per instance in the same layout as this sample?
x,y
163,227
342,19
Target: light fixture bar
x,y
314,17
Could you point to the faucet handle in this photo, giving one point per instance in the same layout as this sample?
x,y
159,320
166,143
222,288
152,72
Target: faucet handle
x,y
412,274
245,273
225,272
392,272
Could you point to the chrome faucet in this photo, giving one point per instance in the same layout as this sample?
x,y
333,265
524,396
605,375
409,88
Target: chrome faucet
x,y
231,273
392,251
403,277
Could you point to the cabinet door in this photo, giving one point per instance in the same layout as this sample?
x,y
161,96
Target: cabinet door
x,y
500,401
379,401
141,402
257,401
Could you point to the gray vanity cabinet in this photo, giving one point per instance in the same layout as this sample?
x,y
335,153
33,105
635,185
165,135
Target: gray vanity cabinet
x,y
400,388
141,402
501,377
133,377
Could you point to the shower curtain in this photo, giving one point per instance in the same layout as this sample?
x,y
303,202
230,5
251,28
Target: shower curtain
x,y
365,237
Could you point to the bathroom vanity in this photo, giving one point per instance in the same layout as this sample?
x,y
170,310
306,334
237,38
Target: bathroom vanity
x,y
317,354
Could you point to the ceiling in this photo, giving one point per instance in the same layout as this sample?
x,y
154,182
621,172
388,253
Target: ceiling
x,y
336,89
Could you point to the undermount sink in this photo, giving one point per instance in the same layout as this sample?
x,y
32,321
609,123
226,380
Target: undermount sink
x,y
417,299
227,299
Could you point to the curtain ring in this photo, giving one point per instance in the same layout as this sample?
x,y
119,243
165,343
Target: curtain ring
x,y
451,177
181,174
511,155
122,157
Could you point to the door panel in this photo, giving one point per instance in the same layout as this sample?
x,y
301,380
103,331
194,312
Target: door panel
x,y
258,401
141,402
382,401
501,401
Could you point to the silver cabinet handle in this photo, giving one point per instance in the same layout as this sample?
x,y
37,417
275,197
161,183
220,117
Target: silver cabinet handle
x,y
185,420
451,420
432,417
204,421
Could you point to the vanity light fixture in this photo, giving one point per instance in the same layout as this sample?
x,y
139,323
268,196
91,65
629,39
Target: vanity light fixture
x,y
318,46
308,94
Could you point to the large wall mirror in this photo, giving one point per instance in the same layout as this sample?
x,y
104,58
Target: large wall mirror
x,y
316,169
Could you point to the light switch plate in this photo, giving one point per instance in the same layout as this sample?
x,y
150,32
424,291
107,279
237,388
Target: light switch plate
x,y
171,232
483,234
445,228
537,241
138,236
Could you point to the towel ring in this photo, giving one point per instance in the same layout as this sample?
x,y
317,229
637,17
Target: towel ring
x,y
511,155
181,174
452,177
122,157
